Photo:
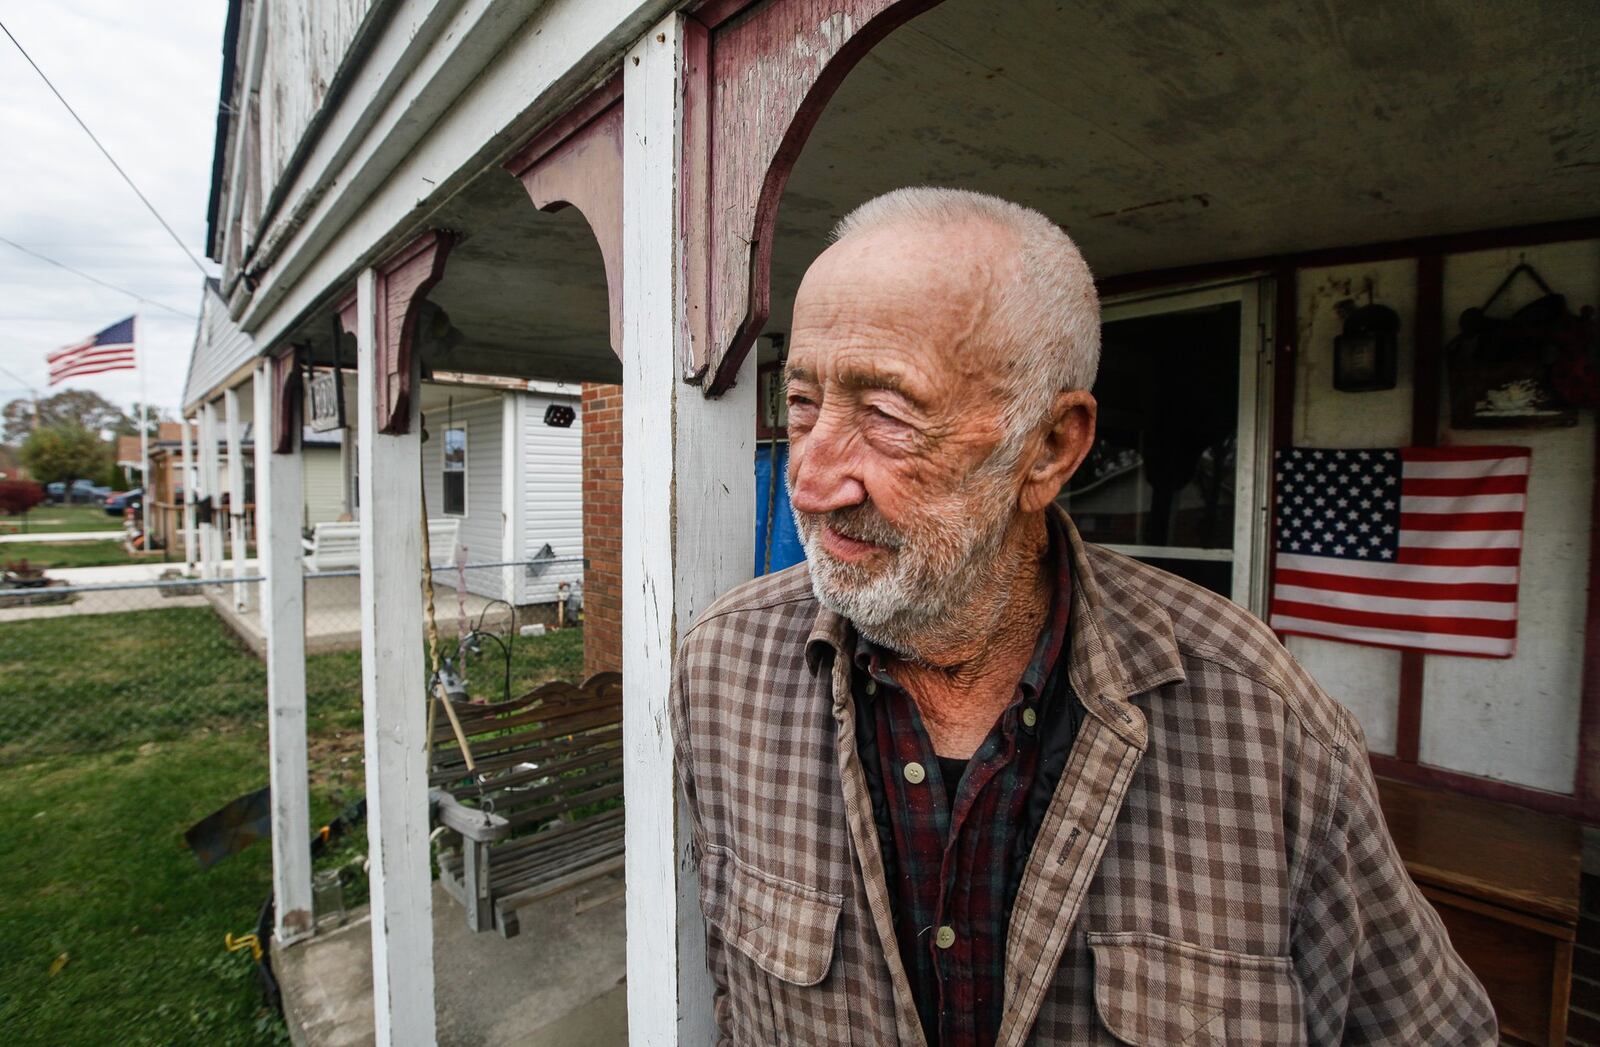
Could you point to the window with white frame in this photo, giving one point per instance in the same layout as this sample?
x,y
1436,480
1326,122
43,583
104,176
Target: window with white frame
x,y
455,472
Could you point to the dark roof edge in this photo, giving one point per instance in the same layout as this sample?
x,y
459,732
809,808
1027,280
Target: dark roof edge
x,y
230,47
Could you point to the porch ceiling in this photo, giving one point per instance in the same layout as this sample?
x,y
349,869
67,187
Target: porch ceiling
x,y
525,291
1171,134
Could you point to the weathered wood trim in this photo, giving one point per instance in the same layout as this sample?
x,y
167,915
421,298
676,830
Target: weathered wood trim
x,y
402,283
688,534
1587,786
577,162
773,71
1427,376
712,13
694,203
583,112
346,312
1353,254
285,400
280,503
393,701
1486,788
1285,336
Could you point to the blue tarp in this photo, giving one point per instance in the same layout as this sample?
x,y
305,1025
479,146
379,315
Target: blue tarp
x,y
786,550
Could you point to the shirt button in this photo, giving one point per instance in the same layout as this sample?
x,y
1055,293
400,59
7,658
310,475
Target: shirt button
x,y
945,937
1029,717
914,773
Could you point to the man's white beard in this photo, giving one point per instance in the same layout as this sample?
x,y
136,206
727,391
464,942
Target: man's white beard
x,y
939,565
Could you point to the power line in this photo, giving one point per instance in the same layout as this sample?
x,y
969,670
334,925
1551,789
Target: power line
x,y
97,280
106,153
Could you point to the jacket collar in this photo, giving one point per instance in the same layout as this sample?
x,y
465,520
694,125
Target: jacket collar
x,y
1121,642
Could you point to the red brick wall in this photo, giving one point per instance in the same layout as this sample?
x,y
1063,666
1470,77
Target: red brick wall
x,y
602,527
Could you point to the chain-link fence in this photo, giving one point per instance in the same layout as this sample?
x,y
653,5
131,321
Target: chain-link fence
x,y
87,668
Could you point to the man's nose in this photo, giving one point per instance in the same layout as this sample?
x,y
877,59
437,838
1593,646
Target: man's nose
x,y
822,473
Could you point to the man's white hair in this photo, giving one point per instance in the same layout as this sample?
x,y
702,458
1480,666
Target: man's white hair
x,y
1046,336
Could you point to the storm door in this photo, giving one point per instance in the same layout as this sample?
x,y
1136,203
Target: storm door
x,y
1177,474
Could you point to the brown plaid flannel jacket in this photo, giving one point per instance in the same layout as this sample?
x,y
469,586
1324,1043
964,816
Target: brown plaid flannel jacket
x,y
1213,868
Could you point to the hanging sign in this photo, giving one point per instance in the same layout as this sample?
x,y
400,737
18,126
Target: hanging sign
x,y
327,401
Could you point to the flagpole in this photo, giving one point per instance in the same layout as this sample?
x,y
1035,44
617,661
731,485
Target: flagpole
x,y
144,442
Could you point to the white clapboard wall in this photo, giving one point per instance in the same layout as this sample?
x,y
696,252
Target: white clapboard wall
x,y
549,479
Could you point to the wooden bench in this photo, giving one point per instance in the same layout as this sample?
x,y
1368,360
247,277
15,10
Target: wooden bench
x,y
337,546
542,813
1505,881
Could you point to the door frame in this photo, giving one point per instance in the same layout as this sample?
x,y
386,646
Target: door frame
x,y
1253,445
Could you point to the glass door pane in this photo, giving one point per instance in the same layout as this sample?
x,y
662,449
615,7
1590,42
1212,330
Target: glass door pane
x,y
1166,481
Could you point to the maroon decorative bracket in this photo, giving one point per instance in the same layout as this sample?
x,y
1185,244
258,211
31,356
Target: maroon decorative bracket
x,y
754,89
577,161
402,282
286,396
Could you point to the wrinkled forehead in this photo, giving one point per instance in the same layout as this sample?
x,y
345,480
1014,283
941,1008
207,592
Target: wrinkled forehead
x,y
882,306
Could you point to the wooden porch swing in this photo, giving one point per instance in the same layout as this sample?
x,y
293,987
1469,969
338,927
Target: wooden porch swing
x,y
526,800
524,789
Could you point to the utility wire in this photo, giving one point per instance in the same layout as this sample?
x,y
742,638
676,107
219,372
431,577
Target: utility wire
x,y
97,280
106,153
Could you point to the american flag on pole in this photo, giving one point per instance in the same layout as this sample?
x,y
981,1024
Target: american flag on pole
x,y
1412,547
110,350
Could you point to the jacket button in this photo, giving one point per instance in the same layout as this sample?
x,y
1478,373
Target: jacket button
x,y
914,773
1029,717
945,937
872,687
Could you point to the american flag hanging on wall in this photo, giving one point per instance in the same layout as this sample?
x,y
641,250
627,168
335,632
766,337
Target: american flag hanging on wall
x,y
1412,547
110,350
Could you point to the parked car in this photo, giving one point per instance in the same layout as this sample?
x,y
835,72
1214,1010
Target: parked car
x,y
79,492
119,502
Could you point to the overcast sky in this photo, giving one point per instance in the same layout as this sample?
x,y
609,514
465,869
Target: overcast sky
x,y
144,76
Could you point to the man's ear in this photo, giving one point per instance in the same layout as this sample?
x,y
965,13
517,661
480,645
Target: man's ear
x,y
1062,442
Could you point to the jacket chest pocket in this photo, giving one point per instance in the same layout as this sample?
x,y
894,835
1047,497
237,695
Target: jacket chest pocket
x,y
777,945
1152,990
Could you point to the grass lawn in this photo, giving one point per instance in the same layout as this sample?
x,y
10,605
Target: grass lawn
x,y
57,518
117,732
72,554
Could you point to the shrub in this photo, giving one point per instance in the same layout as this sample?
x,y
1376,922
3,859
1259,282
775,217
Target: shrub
x,y
18,496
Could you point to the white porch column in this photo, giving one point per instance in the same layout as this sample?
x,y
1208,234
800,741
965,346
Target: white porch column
x,y
210,534
283,615
230,405
683,454
187,475
393,704
510,494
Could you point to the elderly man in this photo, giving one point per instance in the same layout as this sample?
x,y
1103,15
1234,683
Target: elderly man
x,y
963,779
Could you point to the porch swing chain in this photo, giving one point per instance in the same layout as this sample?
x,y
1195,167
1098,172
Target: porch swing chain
x,y
437,695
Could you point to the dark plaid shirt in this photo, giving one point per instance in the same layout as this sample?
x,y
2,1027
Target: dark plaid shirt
x,y
953,869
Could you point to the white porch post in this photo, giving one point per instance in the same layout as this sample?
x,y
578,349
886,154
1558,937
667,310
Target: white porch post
x,y
510,494
230,405
187,475
683,454
393,703
283,614
210,535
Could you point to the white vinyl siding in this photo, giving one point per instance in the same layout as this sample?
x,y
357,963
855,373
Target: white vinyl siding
x,y
323,484
550,477
481,528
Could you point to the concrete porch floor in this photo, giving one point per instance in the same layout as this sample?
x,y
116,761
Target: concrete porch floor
x,y
333,613
559,983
